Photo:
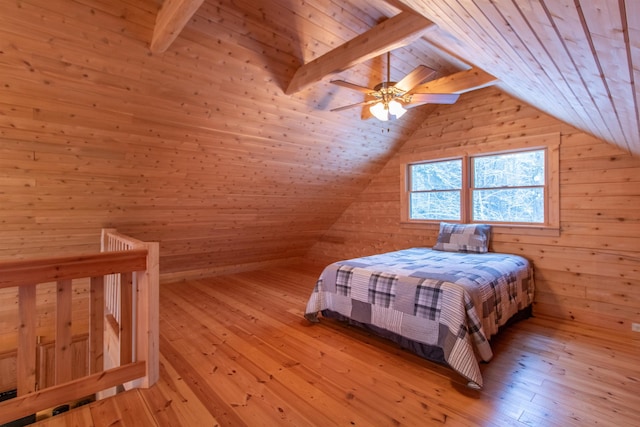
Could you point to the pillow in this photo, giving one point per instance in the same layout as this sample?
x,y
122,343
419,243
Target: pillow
x,y
463,238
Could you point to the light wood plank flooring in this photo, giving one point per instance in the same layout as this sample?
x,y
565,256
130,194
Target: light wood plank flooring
x,y
236,351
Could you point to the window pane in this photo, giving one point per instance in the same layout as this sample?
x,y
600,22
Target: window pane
x,y
509,170
514,205
445,175
436,205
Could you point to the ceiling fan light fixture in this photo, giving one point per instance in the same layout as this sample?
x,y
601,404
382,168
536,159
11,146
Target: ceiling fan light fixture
x,y
396,109
390,98
380,111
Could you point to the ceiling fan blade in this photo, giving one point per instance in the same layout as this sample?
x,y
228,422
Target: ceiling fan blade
x,y
461,82
352,86
346,107
432,98
415,77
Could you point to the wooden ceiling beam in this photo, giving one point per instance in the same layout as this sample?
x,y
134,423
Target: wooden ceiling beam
x,y
464,81
171,19
393,33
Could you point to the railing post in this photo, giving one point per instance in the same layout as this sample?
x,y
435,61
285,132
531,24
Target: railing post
x,y
148,301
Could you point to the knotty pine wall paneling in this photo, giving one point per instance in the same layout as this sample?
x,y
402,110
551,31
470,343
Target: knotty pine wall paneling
x,y
589,274
198,147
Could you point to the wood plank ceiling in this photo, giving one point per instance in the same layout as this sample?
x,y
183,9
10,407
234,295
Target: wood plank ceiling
x,y
575,60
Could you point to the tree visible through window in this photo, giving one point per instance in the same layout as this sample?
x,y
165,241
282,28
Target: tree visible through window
x,y
509,187
436,190
504,187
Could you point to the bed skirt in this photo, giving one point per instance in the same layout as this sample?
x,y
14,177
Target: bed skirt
x,y
426,351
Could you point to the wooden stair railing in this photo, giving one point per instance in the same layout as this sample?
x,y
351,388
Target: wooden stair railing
x,y
122,278
126,294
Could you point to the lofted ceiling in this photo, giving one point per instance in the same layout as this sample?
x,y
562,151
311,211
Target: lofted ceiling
x,y
206,124
575,60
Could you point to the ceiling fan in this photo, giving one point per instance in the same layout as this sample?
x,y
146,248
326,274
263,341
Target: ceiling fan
x,y
393,98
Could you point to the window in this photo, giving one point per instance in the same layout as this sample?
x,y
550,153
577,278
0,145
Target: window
x,y
436,188
510,188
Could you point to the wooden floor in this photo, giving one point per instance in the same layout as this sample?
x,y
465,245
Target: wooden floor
x,y
235,351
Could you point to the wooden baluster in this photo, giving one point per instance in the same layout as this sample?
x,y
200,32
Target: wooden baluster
x,y
117,291
126,318
105,239
112,289
96,327
26,362
63,356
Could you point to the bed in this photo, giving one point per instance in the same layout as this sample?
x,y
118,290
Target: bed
x,y
443,303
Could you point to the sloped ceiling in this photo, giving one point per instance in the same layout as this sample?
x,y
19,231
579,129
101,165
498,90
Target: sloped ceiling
x,y
575,60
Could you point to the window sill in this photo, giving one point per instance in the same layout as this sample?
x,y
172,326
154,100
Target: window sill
x,y
527,230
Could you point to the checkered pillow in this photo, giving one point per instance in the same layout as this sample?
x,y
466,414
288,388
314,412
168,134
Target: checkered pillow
x,y
463,238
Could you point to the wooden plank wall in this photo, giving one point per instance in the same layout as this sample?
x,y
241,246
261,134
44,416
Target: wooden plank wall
x,y
197,148
589,274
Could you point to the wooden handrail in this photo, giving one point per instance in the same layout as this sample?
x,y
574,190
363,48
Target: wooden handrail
x,y
24,272
30,403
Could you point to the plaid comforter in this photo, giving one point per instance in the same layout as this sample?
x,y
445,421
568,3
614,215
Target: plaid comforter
x,y
454,301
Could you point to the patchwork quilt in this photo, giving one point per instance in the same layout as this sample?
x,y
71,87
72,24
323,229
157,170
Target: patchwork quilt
x,y
450,300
